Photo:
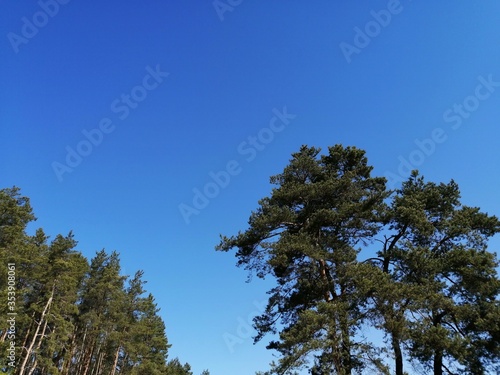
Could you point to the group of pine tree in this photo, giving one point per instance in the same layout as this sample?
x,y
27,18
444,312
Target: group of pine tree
x,y
371,280
72,317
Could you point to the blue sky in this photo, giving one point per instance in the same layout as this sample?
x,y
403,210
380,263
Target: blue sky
x,y
413,84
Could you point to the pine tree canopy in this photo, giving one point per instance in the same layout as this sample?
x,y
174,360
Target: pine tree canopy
x,y
74,317
351,257
366,280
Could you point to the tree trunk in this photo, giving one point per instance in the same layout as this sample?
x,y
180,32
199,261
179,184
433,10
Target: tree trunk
x,y
81,352
26,337
33,368
398,355
346,337
88,358
42,335
438,362
67,361
346,351
4,335
42,318
115,363
99,363
438,352
325,275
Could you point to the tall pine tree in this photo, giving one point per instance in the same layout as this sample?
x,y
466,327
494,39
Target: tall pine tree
x,y
306,235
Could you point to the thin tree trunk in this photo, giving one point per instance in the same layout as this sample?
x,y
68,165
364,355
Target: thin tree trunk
x,y
322,270
97,360
42,318
33,368
87,360
96,369
346,337
81,353
398,355
66,362
4,335
346,350
42,335
99,364
29,330
438,352
115,362
124,361
438,362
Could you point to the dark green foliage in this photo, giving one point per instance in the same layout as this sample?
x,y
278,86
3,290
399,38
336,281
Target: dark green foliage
x,y
174,367
306,235
349,255
75,318
442,255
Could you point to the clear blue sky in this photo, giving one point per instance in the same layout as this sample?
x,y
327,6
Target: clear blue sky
x,y
422,73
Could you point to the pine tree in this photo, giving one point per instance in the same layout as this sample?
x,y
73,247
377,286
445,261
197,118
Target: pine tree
x,y
174,367
15,214
442,256
75,318
305,235
431,288
50,302
100,310
149,340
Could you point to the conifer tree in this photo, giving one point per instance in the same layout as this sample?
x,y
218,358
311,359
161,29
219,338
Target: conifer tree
x,y
174,367
305,235
441,256
100,308
15,214
431,287
74,318
53,308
